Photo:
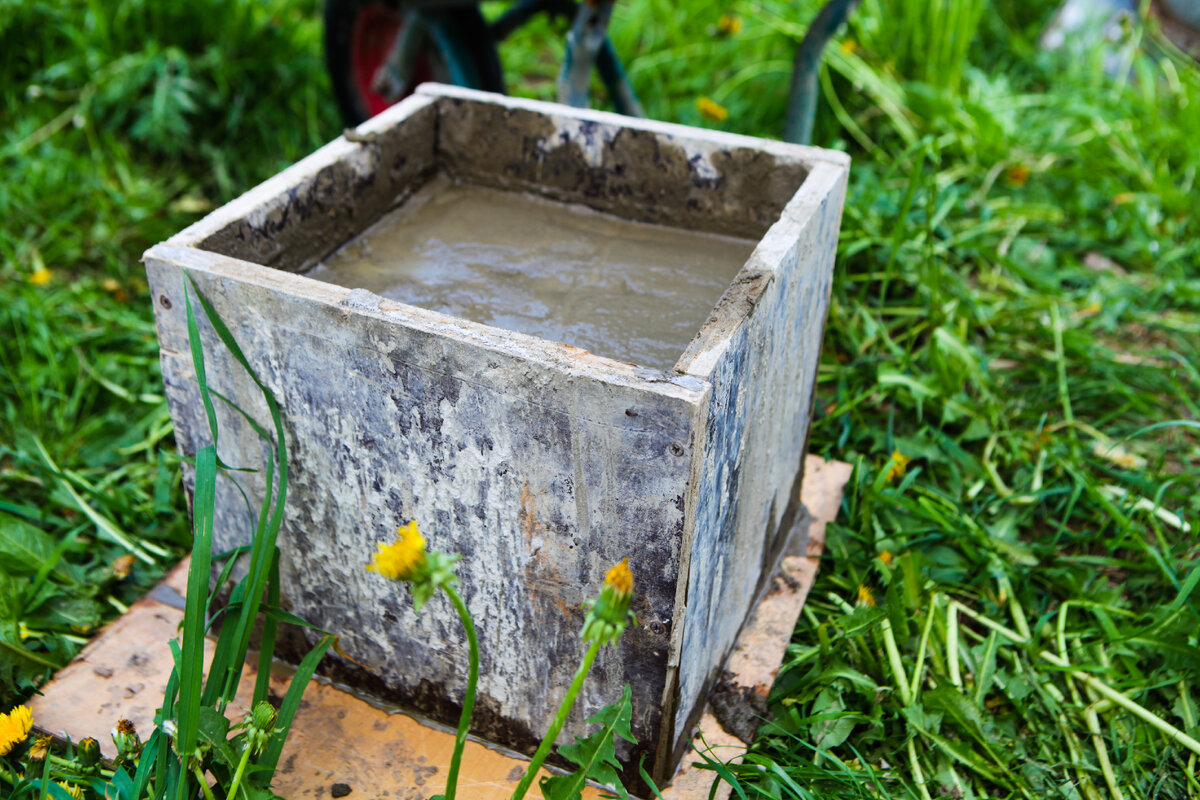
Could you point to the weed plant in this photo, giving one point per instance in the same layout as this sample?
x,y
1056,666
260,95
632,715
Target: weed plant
x,y
429,573
1010,359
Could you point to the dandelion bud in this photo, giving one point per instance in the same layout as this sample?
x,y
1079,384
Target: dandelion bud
x,y
609,614
87,752
260,724
126,739
263,716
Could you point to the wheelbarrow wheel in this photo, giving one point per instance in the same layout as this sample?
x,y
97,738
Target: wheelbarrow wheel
x,y
359,35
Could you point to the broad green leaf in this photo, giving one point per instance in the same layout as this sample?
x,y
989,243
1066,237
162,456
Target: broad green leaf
x,y
214,726
922,719
594,756
24,548
67,614
831,732
830,699
21,665
863,683
123,784
965,715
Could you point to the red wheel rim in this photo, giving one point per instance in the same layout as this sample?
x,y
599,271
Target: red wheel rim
x,y
375,29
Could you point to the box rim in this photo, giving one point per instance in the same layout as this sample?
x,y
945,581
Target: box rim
x,y
727,316
327,155
756,275
574,361
805,154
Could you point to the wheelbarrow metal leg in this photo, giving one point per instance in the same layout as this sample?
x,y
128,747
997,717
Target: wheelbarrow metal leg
x,y
802,98
617,82
394,75
584,43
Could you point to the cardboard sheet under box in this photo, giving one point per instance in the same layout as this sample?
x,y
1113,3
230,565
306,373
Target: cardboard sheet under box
x,y
542,463
341,740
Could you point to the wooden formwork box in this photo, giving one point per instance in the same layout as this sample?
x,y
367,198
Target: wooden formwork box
x,y
541,463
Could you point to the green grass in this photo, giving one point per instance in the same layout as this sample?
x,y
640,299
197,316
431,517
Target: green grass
x,y
1016,310
119,124
969,333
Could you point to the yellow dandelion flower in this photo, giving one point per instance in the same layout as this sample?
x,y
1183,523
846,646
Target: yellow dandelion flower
x,y
41,277
711,109
609,614
73,789
885,557
14,727
41,748
899,466
403,559
730,24
620,578
865,596
849,46
407,560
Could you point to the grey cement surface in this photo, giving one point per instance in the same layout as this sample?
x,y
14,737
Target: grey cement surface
x,y
628,290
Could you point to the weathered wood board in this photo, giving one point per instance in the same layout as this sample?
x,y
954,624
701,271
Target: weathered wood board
x,y
541,463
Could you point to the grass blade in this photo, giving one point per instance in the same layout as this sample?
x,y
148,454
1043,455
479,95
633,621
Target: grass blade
x,y
191,661
266,650
263,545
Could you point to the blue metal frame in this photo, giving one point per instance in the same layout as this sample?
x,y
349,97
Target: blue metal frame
x,y
589,47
